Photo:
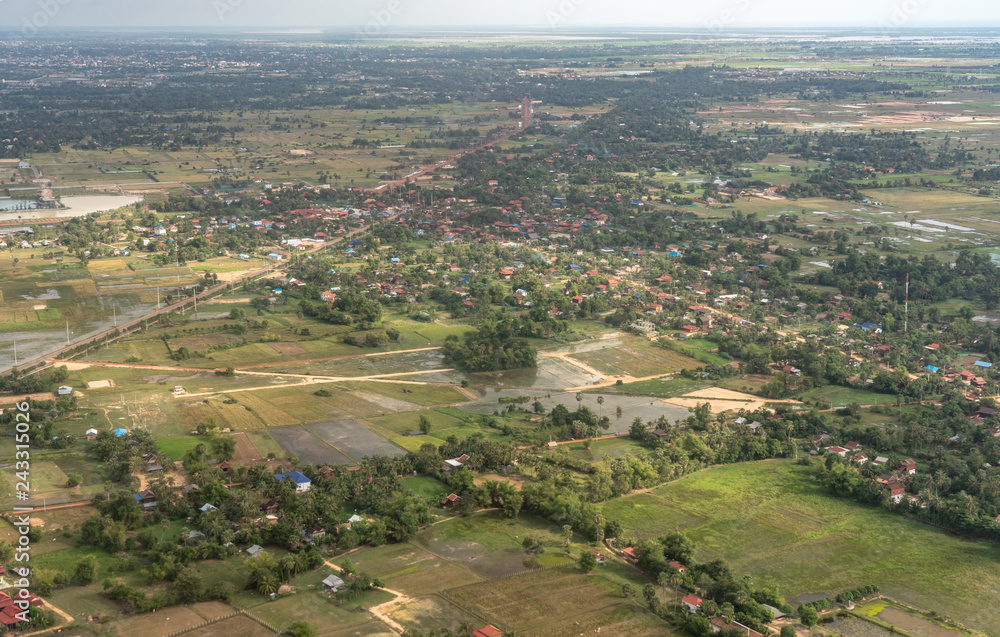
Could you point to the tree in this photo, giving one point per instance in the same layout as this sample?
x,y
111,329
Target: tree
x,y
223,447
86,570
425,424
301,629
587,562
649,594
808,615
788,631
73,480
188,586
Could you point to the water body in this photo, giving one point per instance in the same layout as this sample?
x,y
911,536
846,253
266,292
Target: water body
x,y
32,344
17,204
75,207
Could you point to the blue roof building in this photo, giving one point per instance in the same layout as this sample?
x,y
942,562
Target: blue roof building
x,y
302,483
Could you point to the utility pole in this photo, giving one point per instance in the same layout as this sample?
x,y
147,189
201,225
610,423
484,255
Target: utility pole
x,y
157,298
15,352
67,331
906,305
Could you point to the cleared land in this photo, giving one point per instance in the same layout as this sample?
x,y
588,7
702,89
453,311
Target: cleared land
x,y
354,439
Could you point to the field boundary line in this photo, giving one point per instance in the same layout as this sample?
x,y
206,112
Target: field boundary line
x,y
221,618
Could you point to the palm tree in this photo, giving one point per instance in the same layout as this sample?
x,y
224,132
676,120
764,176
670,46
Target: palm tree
x,y
268,584
663,579
675,580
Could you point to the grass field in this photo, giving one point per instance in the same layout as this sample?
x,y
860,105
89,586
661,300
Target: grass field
x,y
843,396
770,519
562,602
426,487
175,448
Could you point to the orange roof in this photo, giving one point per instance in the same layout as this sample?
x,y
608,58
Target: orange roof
x,y
488,630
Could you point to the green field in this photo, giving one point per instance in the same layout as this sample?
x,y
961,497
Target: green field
x,y
843,396
175,448
771,520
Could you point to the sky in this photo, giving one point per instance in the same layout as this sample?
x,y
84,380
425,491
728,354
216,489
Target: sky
x,y
712,16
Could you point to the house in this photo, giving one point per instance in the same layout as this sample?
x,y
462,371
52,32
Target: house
x,y
986,412
270,507
896,490
840,451
196,537
852,446
774,611
302,483
860,458
451,501
489,630
225,465
205,508
188,488
718,625
333,583
879,461
680,567
629,553
91,434
254,550
693,603
65,390
146,499
906,467
314,532
662,435
598,556
453,464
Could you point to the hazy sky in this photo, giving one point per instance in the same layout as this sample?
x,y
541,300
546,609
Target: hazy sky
x,y
711,15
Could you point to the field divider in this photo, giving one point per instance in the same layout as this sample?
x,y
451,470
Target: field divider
x,y
221,618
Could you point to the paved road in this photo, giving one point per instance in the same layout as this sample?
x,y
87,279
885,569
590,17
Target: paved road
x,y
181,303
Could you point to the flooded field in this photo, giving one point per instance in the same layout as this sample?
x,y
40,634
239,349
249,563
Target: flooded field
x,y
632,406
34,344
75,207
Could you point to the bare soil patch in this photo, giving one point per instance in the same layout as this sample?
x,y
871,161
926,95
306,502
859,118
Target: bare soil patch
x,y
288,348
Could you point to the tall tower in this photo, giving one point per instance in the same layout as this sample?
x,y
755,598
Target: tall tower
x,y
526,112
